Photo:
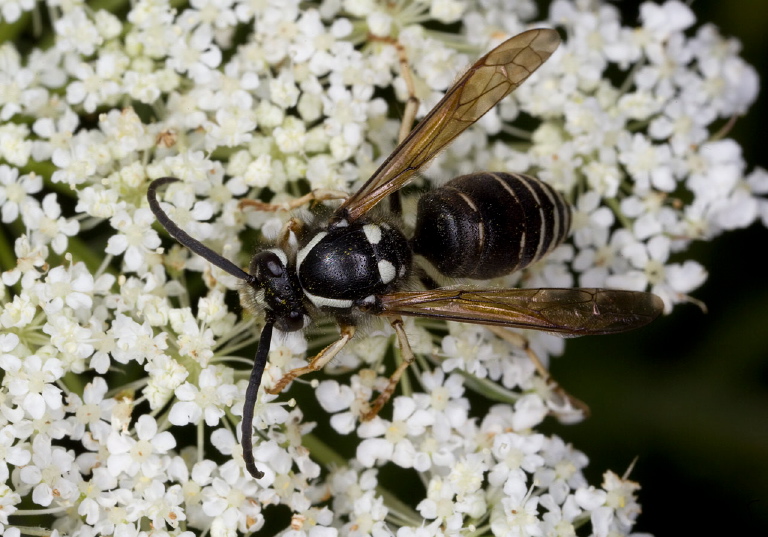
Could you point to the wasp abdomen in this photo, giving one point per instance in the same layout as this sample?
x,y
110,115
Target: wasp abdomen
x,y
486,225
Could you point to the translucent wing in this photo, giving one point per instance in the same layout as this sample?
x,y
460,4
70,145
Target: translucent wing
x,y
488,81
569,312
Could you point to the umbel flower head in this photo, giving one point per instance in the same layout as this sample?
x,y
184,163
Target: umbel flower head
x,y
126,357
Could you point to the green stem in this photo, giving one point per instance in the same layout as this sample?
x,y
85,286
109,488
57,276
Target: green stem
x,y
108,5
30,530
322,452
489,389
7,255
613,204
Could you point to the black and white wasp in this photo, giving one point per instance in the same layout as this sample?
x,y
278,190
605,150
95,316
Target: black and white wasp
x,y
478,226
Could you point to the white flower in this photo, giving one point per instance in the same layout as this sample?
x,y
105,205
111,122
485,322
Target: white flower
x,y
18,313
92,412
145,454
517,513
76,163
206,401
447,11
227,499
15,147
334,397
134,341
166,375
670,282
11,12
15,192
195,54
31,383
47,473
58,133
71,340
72,287
662,20
385,440
515,454
77,32
467,349
161,505
591,221
649,165
232,128
94,86
47,224
14,452
136,238
439,504
562,468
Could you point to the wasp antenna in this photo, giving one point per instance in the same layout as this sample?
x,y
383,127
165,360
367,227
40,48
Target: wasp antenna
x,y
180,235
259,363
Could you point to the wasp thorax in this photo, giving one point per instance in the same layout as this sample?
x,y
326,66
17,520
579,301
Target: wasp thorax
x,y
277,289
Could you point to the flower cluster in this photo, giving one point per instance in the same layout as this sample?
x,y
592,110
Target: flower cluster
x,y
115,342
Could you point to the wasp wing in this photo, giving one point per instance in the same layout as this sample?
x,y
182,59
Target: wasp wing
x,y
568,312
489,80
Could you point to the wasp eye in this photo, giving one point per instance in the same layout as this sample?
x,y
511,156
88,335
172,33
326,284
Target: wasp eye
x,y
266,265
274,267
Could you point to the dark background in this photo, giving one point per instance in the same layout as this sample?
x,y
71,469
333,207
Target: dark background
x,y
688,395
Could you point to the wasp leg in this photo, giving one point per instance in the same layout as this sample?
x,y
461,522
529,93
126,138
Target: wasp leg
x,y
411,106
319,361
567,404
289,235
315,195
409,116
407,356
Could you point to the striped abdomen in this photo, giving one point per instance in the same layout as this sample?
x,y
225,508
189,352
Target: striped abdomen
x,y
486,225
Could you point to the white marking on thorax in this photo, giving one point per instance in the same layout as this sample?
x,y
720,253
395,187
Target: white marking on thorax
x,y
370,300
372,233
321,301
387,271
304,251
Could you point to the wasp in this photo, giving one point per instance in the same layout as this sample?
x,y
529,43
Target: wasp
x,y
478,226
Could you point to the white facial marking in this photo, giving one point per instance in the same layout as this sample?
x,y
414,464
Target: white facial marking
x,y
387,271
372,233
